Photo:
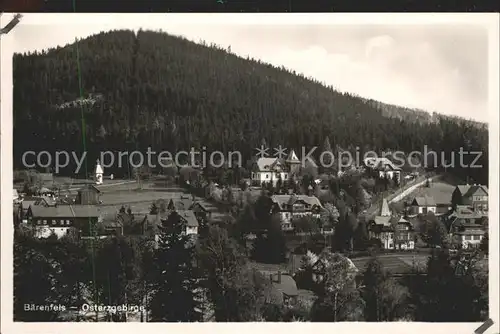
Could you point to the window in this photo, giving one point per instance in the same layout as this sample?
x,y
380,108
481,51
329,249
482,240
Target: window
x,y
45,222
286,176
467,237
476,237
267,176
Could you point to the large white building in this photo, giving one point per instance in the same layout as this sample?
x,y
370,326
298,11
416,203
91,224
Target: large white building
x,y
294,206
270,170
384,167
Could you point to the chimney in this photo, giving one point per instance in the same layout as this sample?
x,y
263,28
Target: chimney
x,y
279,276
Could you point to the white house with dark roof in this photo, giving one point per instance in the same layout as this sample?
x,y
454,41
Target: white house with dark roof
x,y
384,166
465,226
423,205
58,219
475,196
294,206
270,170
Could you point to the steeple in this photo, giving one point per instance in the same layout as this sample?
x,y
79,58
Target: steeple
x,y
384,210
292,158
99,172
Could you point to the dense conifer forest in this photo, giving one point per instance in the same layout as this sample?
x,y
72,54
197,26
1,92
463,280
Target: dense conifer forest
x,y
135,90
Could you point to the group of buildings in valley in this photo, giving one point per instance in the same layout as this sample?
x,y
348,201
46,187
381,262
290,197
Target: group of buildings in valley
x,y
271,170
464,215
465,218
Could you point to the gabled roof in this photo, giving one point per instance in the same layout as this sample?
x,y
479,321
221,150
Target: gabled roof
x,y
189,217
64,211
476,190
380,163
384,209
467,190
181,203
268,164
292,157
424,201
287,286
282,200
382,220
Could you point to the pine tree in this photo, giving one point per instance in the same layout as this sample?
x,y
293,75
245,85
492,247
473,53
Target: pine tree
x,y
176,286
153,209
385,299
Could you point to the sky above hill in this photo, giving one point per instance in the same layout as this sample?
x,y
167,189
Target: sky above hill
x,y
441,68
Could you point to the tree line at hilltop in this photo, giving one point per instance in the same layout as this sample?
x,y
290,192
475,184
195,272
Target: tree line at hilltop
x,y
133,91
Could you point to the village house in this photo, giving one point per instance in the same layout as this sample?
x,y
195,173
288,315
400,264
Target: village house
x,y
88,195
404,234
394,232
35,200
188,218
466,226
475,196
270,170
384,167
203,211
380,227
182,203
294,206
284,288
423,205
60,218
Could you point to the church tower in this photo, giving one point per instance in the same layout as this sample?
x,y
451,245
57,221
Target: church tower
x,y
99,173
293,163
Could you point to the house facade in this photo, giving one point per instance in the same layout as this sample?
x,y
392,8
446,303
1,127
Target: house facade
x,y
290,207
404,235
466,226
270,170
284,288
384,167
423,205
394,232
29,201
60,219
474,196
380,227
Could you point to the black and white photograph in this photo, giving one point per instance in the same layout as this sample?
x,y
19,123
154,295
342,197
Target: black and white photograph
x,y
250,168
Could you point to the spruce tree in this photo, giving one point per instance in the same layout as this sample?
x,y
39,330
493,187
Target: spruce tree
x,y
176,284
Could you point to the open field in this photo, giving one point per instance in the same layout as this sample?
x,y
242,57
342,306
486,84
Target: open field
x,y
140,200
399,263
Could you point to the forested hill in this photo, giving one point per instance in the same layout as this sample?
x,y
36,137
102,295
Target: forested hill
x,y
153,89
